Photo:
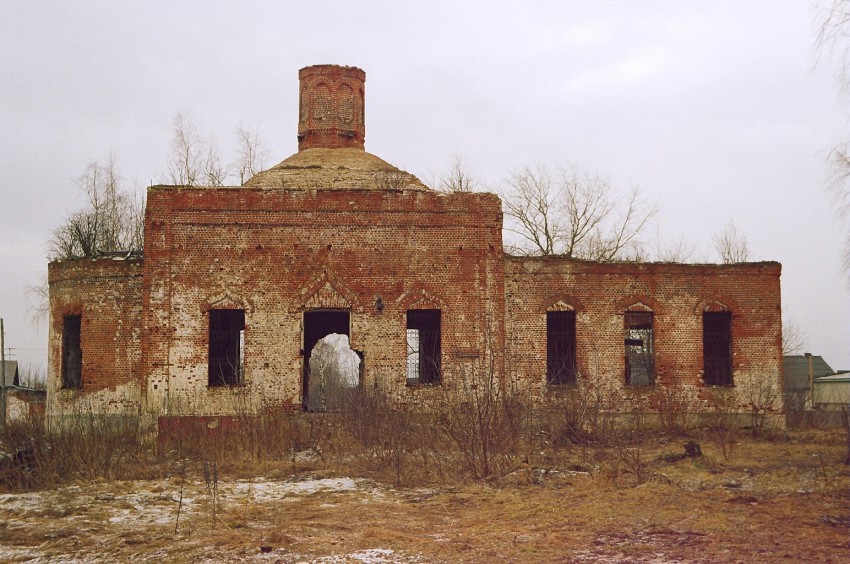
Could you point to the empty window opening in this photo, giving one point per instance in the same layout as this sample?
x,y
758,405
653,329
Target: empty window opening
x,y
334,373
560,347
72,352
717,348
423,346
640,353
227,347
318,324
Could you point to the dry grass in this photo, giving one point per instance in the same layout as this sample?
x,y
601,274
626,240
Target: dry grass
x,y
780,498
375,483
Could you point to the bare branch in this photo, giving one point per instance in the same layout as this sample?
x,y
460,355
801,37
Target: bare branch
x,y
184,167
731,246
111,221
38,296
585,205
531,203
832,41
574,214
457,178
793,338
677,251
252,153
215,173
839,186
134,222
194,160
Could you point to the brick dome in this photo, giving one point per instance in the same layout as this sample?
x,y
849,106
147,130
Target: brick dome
x,y
335,169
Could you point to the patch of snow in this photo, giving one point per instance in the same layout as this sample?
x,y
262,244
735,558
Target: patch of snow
x,y
367,556
266,491
155,503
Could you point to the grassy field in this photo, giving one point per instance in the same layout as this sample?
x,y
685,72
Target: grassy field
x,y
784,496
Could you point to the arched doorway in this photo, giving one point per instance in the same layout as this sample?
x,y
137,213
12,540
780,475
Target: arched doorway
x,y
333,370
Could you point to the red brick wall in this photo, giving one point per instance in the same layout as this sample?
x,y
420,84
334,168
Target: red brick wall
x,y
331,107
276,253
107,293
677,295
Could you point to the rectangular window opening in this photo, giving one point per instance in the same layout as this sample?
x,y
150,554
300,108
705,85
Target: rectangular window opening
x,y
226,347
423,346
72,353
717,348
560,347
639,348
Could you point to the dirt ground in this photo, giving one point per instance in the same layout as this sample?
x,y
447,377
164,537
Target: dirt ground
x,y
771,501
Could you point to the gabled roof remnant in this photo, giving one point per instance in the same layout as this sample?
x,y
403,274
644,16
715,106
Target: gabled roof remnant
x,y
796,370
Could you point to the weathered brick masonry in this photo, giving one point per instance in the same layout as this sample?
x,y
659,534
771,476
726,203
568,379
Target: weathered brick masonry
x,y
335,229
331,107
106,293
677,294
278,253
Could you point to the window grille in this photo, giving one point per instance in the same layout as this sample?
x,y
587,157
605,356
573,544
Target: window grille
x,y
639,348
423,346
560,347
717,348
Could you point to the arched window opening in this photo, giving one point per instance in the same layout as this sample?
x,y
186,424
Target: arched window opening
x,y
639,348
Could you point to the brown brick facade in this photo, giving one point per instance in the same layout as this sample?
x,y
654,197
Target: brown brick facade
x,y
676,294
333,228
106,293
277,254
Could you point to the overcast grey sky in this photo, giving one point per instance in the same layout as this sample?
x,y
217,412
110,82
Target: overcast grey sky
x,y
711,107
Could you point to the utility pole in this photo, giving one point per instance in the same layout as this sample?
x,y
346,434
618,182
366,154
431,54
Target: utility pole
x,y
2,374
811,381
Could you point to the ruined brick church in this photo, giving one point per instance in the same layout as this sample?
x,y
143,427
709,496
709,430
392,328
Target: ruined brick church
x,y
237,285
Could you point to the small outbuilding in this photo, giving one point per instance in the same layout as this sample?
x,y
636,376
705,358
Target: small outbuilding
x,y
18,402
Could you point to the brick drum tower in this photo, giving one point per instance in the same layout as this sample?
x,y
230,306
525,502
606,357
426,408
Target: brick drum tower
x,y
331,107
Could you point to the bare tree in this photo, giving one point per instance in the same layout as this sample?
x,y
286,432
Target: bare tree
x,y
793,338
672,251
833,42
111,221
731,246
574,214
194,159
252,153
38,295
134,220
457,178
184,161
214,173
532,206
839,185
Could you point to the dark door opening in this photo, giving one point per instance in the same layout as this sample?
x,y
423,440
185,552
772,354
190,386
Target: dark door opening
x,y
318,324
